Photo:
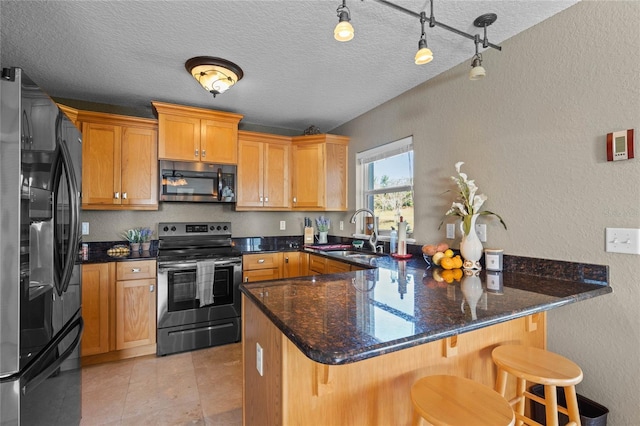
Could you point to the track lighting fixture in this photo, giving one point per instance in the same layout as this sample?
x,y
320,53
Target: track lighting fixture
x,y
344,29
344,32
477,70
216,75
424,54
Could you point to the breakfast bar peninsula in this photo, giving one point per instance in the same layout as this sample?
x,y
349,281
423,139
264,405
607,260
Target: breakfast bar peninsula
x,y
344,349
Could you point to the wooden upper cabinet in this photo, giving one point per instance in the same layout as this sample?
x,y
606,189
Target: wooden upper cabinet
x,y
197,134
263,172
320,172
119,162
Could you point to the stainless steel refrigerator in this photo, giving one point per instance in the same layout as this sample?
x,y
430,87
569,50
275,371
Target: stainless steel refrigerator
x,y
40,316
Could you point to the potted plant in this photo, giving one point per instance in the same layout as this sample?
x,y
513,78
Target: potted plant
x,y
133,237
145,238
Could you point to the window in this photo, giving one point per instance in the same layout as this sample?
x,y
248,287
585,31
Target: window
x,y
384,183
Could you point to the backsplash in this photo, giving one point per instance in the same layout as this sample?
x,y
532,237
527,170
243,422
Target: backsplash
x,y
109,225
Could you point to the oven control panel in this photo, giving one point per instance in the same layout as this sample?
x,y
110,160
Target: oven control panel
x,y
176,229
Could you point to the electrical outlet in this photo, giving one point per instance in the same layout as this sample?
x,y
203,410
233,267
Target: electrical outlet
x,y
481,231
451,231
622,240
283,225
342,225
259,359
85,228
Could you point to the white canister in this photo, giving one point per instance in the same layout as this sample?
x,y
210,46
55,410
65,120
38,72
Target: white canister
x,y
493,259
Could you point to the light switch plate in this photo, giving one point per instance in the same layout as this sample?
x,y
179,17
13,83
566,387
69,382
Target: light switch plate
x,y
622,240
283,225
85,228
481,231
451,230
259,359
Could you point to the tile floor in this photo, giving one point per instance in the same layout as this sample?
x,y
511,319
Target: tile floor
x,y
202,387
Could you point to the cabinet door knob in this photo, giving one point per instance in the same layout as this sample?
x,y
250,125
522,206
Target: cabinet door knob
x,y
286,260
204,153
266,199
196,152
135,270
246,279
261,199
151,288
116,195
124,195
295,200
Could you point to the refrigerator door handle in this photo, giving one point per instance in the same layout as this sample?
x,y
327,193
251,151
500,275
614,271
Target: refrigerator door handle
x,y
63,268
42,375
74,210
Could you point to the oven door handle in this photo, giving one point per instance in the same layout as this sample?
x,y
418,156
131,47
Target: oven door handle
x,y
173,266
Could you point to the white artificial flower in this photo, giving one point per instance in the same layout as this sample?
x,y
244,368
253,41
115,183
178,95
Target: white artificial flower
x,y
458,164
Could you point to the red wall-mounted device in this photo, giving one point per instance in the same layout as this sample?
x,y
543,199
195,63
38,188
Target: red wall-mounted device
x,y
620,145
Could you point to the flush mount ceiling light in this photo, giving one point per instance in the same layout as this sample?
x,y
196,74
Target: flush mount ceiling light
x,y
424,55
216,75
344,29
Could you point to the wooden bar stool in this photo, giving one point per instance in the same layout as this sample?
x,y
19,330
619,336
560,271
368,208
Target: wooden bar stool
x,y
451,401
529,364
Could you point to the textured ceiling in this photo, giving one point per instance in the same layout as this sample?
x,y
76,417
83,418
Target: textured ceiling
x,y
129,53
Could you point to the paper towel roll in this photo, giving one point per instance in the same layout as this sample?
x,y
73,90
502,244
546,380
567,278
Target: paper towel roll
x,y
402,238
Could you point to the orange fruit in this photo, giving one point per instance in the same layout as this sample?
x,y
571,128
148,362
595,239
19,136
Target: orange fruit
x,y
457,262
447,275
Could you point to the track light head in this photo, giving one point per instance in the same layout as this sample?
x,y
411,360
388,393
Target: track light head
x,y
344,29
424,54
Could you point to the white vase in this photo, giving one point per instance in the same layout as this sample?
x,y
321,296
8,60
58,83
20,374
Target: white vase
x,y
471,246
322,237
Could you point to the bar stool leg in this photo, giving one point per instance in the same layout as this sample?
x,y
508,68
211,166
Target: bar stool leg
x,y
572,404
501,382
551,405
521,387
415,420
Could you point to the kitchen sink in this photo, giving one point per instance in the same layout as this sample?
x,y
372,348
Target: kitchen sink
x,y
355,255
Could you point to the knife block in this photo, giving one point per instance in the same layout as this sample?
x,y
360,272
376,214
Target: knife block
x,y
308,235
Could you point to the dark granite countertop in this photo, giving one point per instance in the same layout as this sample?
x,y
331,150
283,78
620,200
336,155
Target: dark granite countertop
x,y
343,318
98,253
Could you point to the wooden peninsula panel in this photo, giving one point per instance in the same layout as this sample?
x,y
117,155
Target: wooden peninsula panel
x,y
295,390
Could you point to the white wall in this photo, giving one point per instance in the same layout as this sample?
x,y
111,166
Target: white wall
x,y
532,135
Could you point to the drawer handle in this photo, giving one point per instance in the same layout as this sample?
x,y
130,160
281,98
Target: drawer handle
x,y
204,153
260,260
135,270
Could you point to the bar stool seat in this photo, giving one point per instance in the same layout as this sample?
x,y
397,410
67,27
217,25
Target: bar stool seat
x,y
457,401
529,364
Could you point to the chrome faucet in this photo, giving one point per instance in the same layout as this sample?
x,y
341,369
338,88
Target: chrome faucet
x,y
373,239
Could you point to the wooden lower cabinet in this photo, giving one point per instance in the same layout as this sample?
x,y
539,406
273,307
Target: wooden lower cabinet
x,y
261,267
335,266
95,308
119,310
294,264
294,389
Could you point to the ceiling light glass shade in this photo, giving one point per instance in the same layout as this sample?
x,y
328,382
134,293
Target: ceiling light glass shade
x,y
216,75
424,54
344,29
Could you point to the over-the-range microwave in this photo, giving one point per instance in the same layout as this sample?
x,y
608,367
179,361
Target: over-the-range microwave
x,y
197,182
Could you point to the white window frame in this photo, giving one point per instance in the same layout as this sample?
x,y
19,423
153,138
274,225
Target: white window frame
x,y
378,153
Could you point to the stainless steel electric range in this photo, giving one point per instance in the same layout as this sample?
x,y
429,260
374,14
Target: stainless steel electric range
x,y
199,274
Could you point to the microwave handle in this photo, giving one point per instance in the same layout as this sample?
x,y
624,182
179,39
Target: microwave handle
x,y
219,184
